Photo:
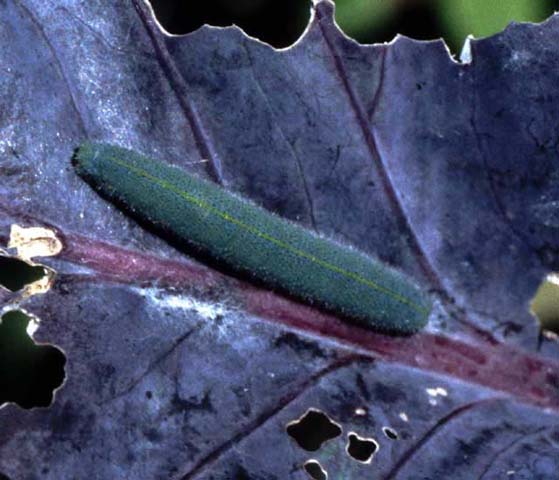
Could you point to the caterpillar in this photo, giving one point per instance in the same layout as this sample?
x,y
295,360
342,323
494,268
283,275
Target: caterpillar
x,y
251,240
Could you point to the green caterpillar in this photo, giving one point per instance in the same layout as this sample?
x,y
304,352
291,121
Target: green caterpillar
x,y
249,239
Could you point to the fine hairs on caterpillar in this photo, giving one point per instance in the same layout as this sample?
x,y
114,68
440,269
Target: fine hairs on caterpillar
x,y
249,239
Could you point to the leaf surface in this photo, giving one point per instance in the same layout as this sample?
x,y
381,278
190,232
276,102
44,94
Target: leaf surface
x,y
176,370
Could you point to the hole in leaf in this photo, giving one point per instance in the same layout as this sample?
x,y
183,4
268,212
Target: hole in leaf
x,y
545,305
380,21
16,274
29,373
4,477
315,470
313,429
390,433
241,474
360,448
377,21
279,23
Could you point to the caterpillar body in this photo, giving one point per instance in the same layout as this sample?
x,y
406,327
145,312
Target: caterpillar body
x,y
249,239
